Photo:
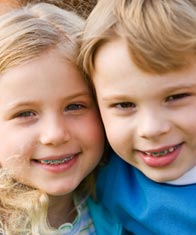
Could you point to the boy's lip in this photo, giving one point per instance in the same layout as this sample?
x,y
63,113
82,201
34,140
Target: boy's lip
x,y
168,148
161,157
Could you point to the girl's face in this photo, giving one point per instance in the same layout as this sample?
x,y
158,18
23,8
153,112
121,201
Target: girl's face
x,y
51,133
150,119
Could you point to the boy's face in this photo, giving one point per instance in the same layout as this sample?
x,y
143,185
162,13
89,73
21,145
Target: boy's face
x,y
150,119
51,133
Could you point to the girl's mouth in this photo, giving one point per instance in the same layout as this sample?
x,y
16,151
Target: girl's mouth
x,y
56,161
58,164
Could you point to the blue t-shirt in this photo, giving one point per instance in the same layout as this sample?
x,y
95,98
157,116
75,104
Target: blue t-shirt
x,y
143,206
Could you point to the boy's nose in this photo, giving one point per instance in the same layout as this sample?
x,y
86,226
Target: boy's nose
x,y
54,132
153,125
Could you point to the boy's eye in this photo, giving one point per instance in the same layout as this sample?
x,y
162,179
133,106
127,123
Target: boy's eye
x,y
177,97
125,105
25,114
74,107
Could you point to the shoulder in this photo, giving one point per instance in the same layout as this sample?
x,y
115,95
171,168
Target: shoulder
x,y
115,163
116,172
104,221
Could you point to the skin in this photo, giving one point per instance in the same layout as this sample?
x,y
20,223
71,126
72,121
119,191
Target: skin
x,y
6,6
47,113
149,118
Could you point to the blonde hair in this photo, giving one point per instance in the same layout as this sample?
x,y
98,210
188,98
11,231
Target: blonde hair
x,y
160,34
27,33
81,7
23,210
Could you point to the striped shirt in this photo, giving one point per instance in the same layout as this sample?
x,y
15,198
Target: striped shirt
x,y
82,225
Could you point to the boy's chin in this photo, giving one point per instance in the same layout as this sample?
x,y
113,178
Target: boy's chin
x,y
161,177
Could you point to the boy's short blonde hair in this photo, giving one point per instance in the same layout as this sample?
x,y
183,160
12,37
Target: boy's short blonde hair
x,y
160,34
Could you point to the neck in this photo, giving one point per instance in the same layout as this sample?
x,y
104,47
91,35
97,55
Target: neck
x,y
188,178
61,210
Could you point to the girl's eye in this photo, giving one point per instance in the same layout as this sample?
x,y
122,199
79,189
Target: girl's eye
x,y
125,105
177,97
74,107
25,114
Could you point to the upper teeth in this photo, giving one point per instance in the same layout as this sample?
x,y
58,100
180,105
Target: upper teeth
x,y
58,161
162,153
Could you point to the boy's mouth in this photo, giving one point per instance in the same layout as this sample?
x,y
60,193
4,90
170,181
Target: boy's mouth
x,y
161,152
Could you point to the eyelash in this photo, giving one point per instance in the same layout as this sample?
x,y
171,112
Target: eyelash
x,y
74,107
25,114
124,105
177,97
29,114
130,105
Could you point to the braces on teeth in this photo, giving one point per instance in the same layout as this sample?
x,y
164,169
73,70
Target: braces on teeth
x,y
56,162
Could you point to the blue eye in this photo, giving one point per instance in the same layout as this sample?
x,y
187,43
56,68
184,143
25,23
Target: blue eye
x,y
177,97
125,105
74,107
26,114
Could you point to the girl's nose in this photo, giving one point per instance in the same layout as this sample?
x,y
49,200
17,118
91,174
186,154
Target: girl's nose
x,y
152,125
54,132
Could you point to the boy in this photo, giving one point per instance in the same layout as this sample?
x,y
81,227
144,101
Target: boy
x,y
141,56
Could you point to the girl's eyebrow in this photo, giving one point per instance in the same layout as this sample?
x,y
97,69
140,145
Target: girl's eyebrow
x,y
17,103
78,94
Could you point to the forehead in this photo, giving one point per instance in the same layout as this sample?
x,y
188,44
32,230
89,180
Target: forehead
x,y
110,51
118,49
48,65
114,69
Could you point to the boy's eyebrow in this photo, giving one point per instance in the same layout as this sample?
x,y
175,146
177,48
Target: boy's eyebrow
x,y
115,97
167,88
181,86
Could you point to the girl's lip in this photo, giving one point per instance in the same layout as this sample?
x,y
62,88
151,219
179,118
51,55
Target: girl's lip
x,y
57,165
162,160
56,157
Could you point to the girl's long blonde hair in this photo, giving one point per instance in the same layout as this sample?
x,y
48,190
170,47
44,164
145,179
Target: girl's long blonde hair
x,y
27,33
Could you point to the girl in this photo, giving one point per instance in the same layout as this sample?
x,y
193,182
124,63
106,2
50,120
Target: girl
x,y
52,136
81,7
